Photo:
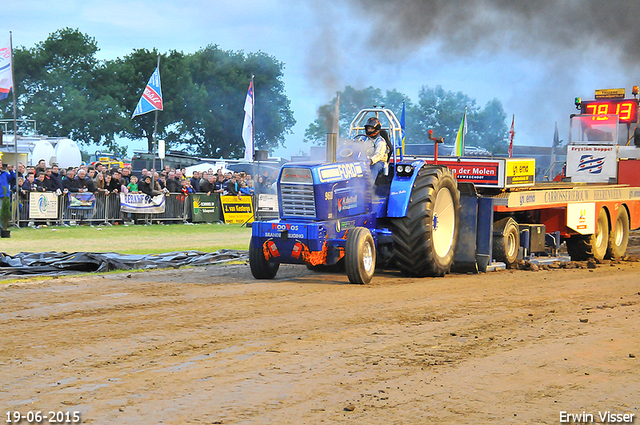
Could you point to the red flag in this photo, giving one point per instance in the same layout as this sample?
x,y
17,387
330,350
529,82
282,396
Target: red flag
x,y
511,134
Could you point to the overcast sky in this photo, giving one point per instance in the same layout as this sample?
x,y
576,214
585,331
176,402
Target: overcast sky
x,y
533,56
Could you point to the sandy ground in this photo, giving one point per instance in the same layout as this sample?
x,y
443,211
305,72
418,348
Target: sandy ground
x,y
211,345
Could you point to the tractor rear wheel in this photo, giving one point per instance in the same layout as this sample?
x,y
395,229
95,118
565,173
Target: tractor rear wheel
x,y
424,240
261,268
583,247
619,236
360,256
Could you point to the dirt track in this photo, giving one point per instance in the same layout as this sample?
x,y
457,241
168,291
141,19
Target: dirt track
x,y
212,345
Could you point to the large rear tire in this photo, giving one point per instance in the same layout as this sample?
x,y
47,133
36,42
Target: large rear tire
x,y
360,256
506,241
261,268
584,247
424,240
619,236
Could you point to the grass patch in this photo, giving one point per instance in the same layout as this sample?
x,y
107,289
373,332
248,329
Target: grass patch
x,y
136,239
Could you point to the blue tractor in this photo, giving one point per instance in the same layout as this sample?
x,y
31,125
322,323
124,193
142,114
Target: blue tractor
x,y
334,214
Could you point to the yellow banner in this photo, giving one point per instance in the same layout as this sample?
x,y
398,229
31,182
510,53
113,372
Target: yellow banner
x,y
237,209
520,171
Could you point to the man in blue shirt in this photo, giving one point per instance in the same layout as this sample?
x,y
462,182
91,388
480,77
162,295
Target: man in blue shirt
x,y
7,180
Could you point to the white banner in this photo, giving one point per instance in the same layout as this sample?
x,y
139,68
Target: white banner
x,y
267,202
596,164
43,205
139,203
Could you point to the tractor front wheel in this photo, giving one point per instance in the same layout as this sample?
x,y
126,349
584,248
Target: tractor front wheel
x,y
360,256
261,268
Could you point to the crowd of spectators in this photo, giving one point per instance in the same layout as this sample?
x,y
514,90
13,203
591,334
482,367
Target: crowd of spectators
x,y
99,179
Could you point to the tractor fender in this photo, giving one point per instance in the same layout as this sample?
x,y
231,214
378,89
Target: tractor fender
x,y
400,191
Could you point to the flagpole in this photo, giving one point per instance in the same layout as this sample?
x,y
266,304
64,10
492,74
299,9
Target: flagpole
x,y
15,128
155,130
253,118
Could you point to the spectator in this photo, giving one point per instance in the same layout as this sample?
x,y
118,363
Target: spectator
x,y
133,185
195,181
244,189
21,170
204,178
126,175
113,183
20,183
84,183
173,184
208,186
91,173
186,187
99,167
41,167
69,183
251,187
219,184
101,183
55,177
30,184
39,181
232,187
179,175
145,187
7,179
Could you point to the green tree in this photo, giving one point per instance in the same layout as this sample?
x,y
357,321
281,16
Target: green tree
x,y
55,87
351,102
129,76
211,120
442,111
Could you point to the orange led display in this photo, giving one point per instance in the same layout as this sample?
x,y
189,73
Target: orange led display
x,y
626,109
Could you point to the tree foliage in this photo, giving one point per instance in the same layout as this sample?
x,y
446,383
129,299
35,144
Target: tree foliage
x,y
437,109
55,87
70,93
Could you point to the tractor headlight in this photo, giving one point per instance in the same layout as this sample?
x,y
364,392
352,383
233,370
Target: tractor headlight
x,y
404,170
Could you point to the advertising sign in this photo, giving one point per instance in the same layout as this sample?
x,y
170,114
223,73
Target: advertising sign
x,y
82,201
484,173
205,209
582,217
595,164
236,209
520,172
139,203
43,205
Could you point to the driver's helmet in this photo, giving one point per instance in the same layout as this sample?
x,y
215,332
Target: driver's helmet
x,y
372,127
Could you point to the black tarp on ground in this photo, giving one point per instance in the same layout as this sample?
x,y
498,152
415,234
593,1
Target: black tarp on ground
x,y
56,263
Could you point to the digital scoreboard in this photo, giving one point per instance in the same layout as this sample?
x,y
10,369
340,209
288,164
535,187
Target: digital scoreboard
x,y
625,109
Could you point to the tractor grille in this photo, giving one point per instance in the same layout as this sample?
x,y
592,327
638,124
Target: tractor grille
x,y
298,200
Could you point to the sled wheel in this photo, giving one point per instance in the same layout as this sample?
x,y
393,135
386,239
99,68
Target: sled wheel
x,y
583,247
506,241
619,236
261,268
360,256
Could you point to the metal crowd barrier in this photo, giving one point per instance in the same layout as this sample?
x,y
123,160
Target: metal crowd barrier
x,y
105,210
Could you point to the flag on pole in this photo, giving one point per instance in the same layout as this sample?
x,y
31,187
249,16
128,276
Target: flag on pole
x,y
511,134
151,99
402,124
461,133
6,82
247,126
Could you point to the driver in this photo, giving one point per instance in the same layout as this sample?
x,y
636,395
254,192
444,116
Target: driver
x,y
378,152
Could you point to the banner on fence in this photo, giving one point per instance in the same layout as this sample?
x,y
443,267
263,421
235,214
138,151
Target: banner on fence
x,y
237,209
43,205
82,201
267,202
205,209
139,203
